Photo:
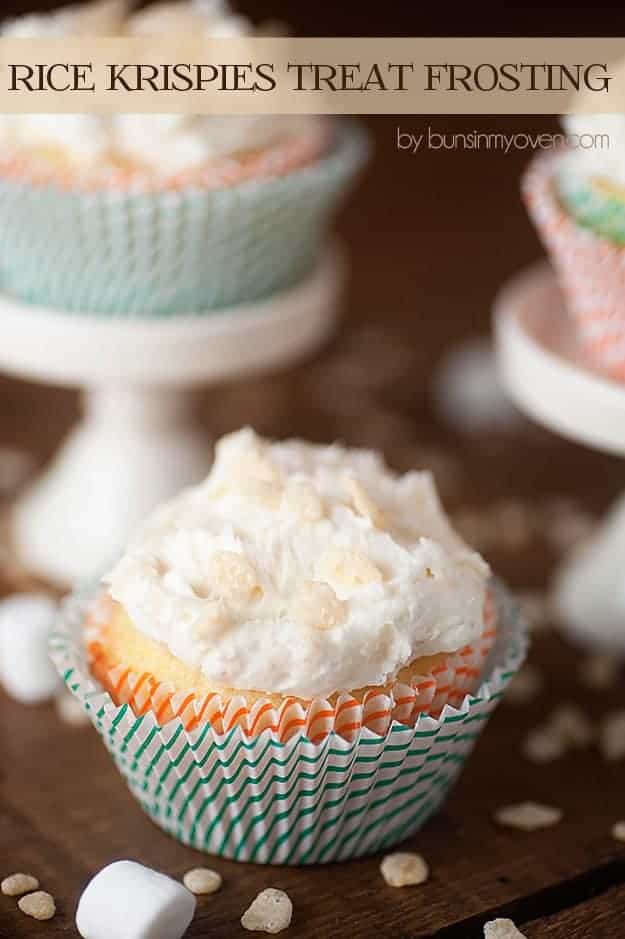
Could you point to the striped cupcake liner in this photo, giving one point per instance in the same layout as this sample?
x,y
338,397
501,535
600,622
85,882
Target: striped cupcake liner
x,y
294,801
592,206
591,269
134,251
447,683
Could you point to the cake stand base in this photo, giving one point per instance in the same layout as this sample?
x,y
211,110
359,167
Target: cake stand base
x,y
546,374
139,441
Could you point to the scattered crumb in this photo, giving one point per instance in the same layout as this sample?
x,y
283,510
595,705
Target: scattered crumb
x,y
543,745
515,520
618,831
528,816
16,884
404,869
39,905
573,726
202,880
612,736
507,525
599,672
270,912
502,929
525,686
70,710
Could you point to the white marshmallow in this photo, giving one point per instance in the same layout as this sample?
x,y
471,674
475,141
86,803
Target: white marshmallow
x,y
26,671
129,901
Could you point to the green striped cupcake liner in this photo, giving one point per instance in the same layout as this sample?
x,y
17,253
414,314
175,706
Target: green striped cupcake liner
x,y
164,253
591,206
257,799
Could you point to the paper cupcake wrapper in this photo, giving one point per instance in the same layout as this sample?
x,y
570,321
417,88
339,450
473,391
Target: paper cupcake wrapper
x,y
591,269
447,683
122,252
257,798
592,206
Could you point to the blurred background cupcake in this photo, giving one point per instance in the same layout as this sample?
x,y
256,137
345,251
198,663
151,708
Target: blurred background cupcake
x,y
161,214
577,200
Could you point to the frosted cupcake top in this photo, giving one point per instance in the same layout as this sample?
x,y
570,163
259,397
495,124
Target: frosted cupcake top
x,y
603,157
167,144
302,570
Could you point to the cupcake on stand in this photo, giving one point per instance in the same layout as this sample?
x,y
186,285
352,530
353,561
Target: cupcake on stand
x,y
142,255
561,345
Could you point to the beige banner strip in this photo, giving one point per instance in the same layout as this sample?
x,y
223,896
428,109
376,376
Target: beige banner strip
x,y
322,76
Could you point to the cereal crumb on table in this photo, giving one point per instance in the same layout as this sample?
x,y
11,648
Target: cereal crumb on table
x,y
39,905
612,736
528,816
202,880
502,929
404,869
71,711
543,745
270,912
16,884
573,726
618,831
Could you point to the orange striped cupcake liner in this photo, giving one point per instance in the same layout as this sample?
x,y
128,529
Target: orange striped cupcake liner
x,y
448,683
591,269
223,173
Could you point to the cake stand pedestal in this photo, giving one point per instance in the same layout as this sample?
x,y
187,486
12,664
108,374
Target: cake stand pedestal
x,y
546,374
139,440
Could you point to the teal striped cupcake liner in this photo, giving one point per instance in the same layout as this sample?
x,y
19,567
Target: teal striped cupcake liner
x,y
163,253
591,206
257,799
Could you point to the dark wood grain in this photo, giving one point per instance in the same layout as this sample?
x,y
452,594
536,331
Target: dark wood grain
x,y
432,237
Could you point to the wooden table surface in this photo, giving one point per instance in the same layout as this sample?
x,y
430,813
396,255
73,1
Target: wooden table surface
x,y
432,237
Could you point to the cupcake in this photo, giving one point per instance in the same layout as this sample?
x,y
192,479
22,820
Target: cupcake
x,y
577,201
163,214
300,612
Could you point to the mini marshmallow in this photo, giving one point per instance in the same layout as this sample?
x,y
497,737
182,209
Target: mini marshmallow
x,y
129,901
26,671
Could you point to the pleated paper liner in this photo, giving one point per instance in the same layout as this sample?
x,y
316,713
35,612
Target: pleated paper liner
x,y
447,682
128,250
592,204
259,798
591,269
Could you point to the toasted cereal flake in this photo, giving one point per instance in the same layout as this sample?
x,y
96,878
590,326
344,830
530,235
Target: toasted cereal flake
x,y
364,504
301,499
351,568
235,577
70,710
528,816
612,736
572,725
270,912
543,745
316,604
525,686
16,884
599,672
618,831
502,929
39,905
404,869
202,880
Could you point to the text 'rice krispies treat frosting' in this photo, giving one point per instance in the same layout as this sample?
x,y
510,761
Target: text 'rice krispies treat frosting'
x,y
302,570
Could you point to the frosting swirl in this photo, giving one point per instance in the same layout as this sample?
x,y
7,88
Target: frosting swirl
x,y
302,570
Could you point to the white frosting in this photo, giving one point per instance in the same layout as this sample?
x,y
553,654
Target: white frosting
x,y
606,158
304,570
167,143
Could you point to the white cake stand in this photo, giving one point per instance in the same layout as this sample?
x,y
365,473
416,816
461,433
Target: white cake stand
x,y
139,441
546,374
